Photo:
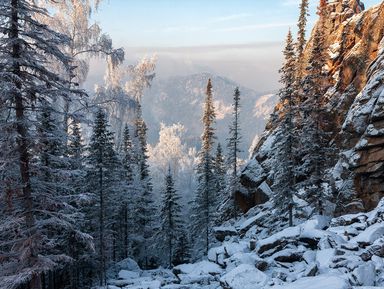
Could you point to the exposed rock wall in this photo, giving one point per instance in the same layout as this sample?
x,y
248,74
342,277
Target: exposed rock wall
x,y
354,104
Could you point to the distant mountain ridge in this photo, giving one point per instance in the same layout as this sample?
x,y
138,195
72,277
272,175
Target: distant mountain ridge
x,y
180,99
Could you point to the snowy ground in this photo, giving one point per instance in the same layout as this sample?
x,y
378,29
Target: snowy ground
x,y
341,253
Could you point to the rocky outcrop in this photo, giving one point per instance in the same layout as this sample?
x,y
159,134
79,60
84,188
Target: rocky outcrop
x,y
353,105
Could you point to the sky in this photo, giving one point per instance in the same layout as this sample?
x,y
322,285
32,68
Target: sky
x,y
239,39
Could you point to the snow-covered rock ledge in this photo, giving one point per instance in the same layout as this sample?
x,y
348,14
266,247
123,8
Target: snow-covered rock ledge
x,y
341,253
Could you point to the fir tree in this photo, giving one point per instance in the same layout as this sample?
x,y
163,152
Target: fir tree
x,y
171,220
205,199
301,41
145,209
126,218
41,218
284,181
220,172
313,137
234,143
102,165
182,253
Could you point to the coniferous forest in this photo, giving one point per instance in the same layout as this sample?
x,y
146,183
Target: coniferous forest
x,y
88,201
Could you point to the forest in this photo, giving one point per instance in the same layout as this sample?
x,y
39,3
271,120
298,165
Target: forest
x,y
87,202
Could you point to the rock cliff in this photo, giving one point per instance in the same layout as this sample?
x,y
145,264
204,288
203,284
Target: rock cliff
x,y
353,105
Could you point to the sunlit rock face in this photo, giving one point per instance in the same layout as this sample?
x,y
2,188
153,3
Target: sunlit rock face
x,y
354,103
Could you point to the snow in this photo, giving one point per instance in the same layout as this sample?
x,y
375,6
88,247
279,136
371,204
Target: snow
x,y
365,274
371,234
284,234
124,274
336,253
318,282
244,277
250,222
324,257
200,268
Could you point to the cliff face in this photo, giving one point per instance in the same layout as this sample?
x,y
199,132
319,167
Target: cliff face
x,y
353,105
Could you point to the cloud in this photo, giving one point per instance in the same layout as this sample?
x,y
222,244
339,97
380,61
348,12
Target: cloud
x,y
312,3
231,17
255,27
172,29
291,2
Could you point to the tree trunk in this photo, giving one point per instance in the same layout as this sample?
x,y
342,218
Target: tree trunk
x,y
22,142
101,229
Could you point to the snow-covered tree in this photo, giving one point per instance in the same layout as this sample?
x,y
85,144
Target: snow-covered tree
x,y
145,209
102,164
220,173
301,41
73,19
126,218
284,180
120,98
314,146
37,219
172,227
204,207
233,145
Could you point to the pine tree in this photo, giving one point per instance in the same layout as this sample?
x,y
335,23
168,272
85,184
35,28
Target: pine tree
x,y
284,181
127,207
204,203
171,221
234,143
76,147
41,219
182,253
102,164
301,41
313,137
145,208
220,173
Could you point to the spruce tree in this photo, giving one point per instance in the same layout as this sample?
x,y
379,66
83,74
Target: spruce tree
x,y
41,218
220,173
171,220
233,145
313,137
145,209
102,164
127,187
301,41
204,207
284,181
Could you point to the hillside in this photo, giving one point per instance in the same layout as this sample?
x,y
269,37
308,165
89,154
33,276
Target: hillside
x,y
180,99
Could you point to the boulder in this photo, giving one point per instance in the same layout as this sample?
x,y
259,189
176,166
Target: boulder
x,y
222,232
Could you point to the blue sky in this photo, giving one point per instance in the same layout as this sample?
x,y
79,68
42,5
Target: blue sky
x,y
175,23
239,39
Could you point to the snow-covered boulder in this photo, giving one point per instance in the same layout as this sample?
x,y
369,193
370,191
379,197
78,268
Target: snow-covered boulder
x,y
126,264
222,232
371,234
126,275
244,276
317,282
278,240
364,275
200,268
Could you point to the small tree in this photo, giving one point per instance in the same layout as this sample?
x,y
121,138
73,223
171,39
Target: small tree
x,y
301,41
205,200
102,165
145,208
220,173
171,220
233,145
314,145
284,181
